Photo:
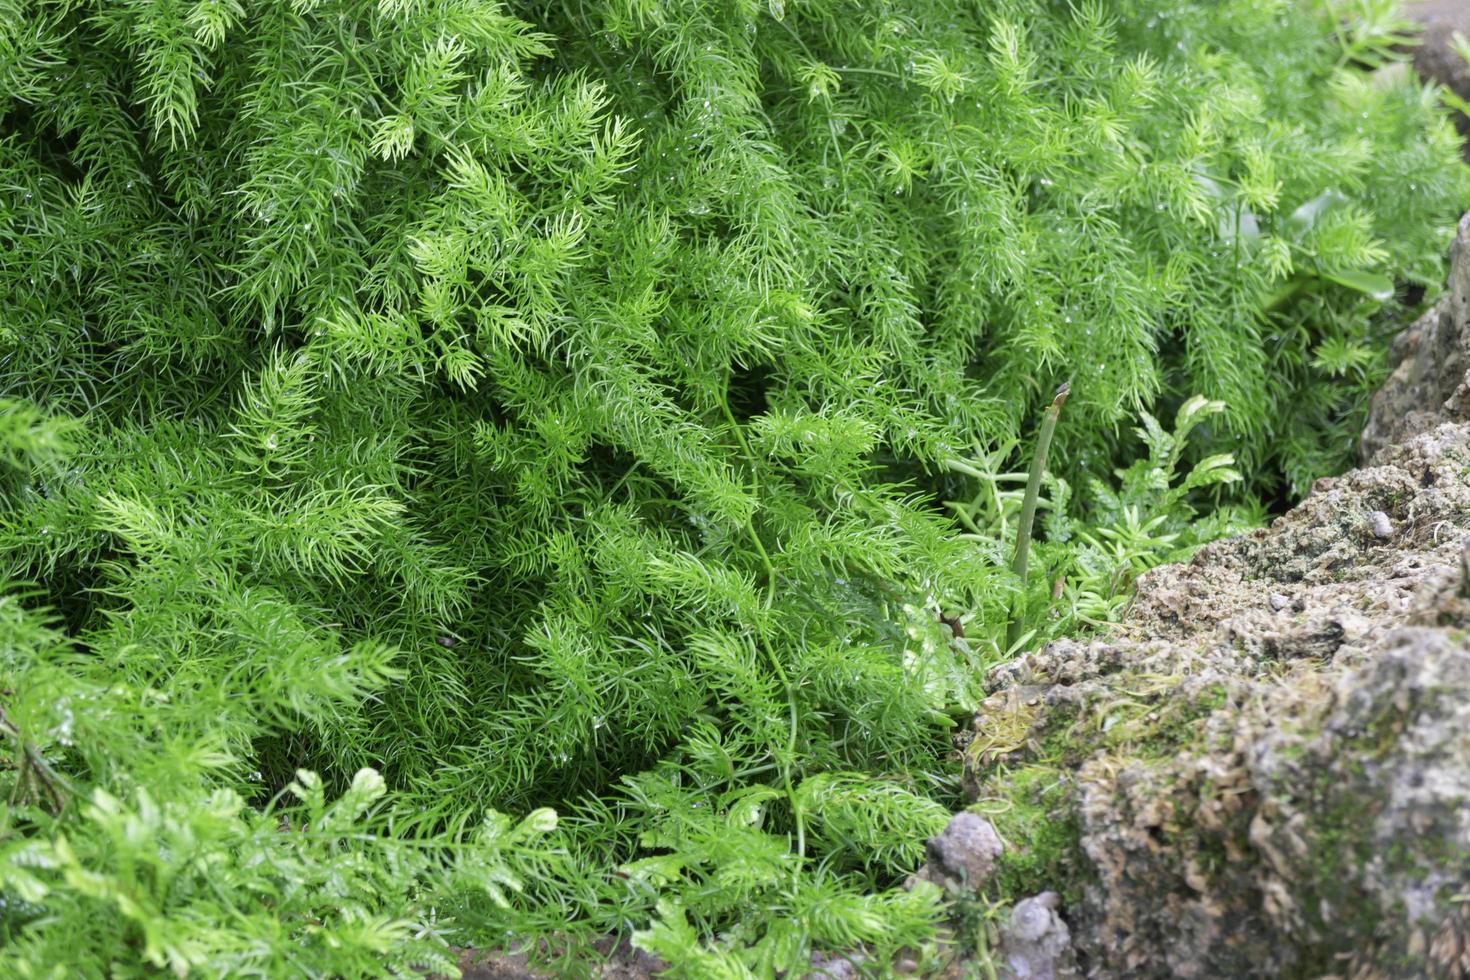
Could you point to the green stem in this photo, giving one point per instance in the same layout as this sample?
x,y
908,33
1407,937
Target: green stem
x,y
755,538
797,813
1028,507
1286,292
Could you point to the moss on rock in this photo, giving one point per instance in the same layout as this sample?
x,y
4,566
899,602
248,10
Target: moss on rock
x,y
1263,770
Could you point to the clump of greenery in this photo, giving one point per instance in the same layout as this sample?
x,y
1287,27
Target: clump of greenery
x,y
1094,549
548,405
128,848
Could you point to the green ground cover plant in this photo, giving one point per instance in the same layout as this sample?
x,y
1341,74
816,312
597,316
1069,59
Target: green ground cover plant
x,y
474,473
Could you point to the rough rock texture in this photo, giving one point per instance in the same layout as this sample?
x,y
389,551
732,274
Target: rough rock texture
x,y
1035,943
1434,57
837,968
963,854
1433,357
1267,765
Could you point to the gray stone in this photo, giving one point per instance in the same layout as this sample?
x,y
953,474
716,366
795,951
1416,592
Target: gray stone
x,y
963,854
1435,57
1268,760
1431,359
1035,943
837,967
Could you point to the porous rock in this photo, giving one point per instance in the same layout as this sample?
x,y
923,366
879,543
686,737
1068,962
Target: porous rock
x,y
1035,943
963,854
1435,57
1431,360
1268,760
837,967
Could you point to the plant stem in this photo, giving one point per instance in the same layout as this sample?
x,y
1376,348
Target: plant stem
x,y
1028,507
798,814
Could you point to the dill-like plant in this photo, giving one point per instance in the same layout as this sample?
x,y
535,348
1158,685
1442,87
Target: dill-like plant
x,y
418,411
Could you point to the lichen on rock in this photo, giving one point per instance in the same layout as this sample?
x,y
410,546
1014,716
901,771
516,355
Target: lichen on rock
x,y
1265,769
1035,943
1431,358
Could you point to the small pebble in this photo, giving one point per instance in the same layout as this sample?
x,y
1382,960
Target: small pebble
x,y
1278,601
1381,525
836,968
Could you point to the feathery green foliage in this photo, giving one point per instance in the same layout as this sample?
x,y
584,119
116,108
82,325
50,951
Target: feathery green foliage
x,y
497,406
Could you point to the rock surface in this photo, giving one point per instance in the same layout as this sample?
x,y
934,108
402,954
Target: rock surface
x,y
1267,766
1432,357
1035,943
1435,57
963,855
